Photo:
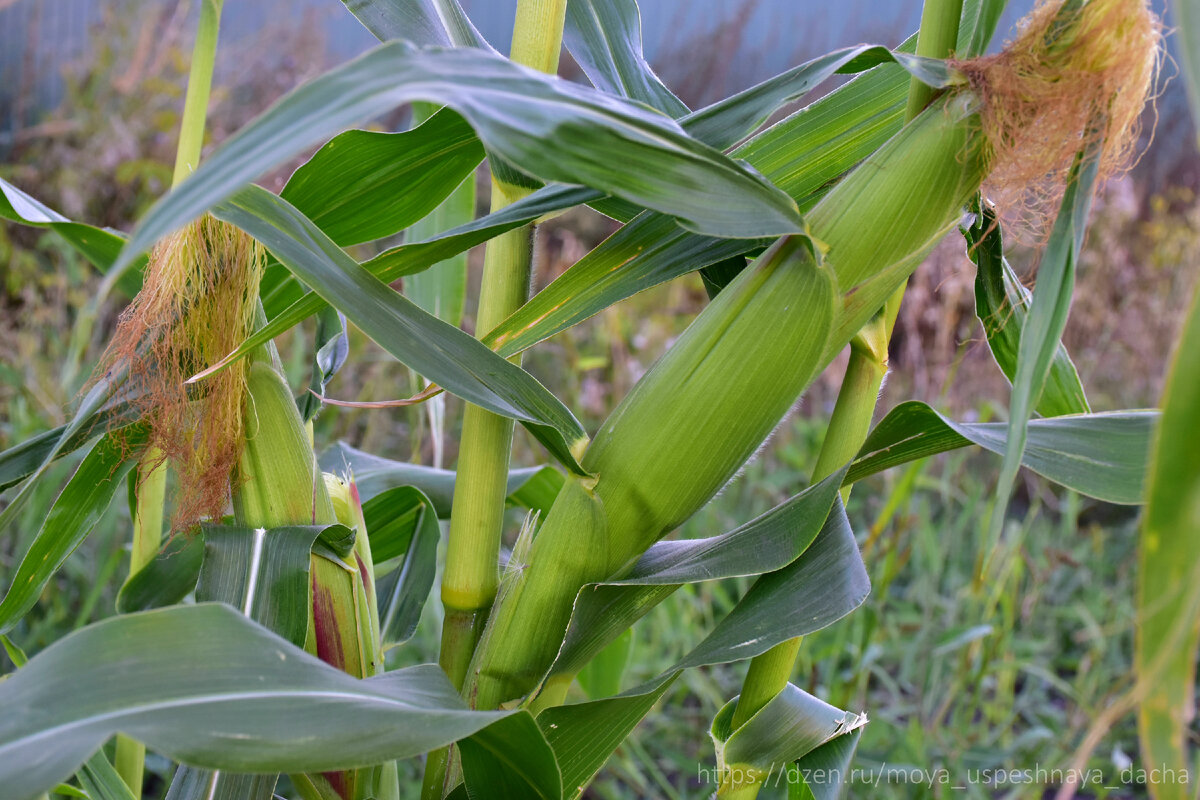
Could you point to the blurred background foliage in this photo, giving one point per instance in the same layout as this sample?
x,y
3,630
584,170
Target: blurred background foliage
x,y
90,131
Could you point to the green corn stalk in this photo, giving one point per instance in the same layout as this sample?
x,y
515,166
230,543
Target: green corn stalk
x,y
712,400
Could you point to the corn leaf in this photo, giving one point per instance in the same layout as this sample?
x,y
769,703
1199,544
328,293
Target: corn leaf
x,y
1168,598
1002,305
190,783
605,37
167,579
802,154
529,487
365,185
333,346
510,759
979,22
402,522
1101,455
824,584
584,735
789,727
1043,327
426,22
100,780
822,773
549,128
437,350
100,246
71,518
767,543
1186,14
207,687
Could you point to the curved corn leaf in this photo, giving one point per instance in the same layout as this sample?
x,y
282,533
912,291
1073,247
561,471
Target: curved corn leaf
x,y
426,22
605,37
100,780
100,246
402,521
802,154
167,578
364,185
285,311
1100,455
72,517
823,772
205,686
1002,304
1168,600
765,544
1041,333
529,487
437,350
547,127
333,346
825,583
510,759
790,726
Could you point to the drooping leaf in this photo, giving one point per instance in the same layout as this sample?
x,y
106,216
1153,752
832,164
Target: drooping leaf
x,y
207,687
365,185
72,517
824,584
1041,333
549,128
1168,600
767,543
100,246
1100,455
530,487
605,37
439,351
1002,304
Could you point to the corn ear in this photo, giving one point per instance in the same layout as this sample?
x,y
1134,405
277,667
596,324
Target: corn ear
x,y
676,439
278,482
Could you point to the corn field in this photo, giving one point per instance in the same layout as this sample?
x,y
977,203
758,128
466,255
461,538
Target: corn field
x,y
270,573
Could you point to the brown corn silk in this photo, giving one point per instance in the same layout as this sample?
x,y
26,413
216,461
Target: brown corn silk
x,y
197,304
1077,74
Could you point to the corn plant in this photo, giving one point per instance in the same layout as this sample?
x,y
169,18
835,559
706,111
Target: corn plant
x,y
265,589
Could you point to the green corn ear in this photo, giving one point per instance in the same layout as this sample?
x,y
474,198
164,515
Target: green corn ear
x,y
707,404
676,439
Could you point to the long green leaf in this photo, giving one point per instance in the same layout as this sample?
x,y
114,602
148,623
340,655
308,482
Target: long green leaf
x,y
547,127
824,584
167,579
765,544
437,350
364,185
100,780
1100,455
100,246
1168,600
1042,331
207,687
823,773
72,517
1002,304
